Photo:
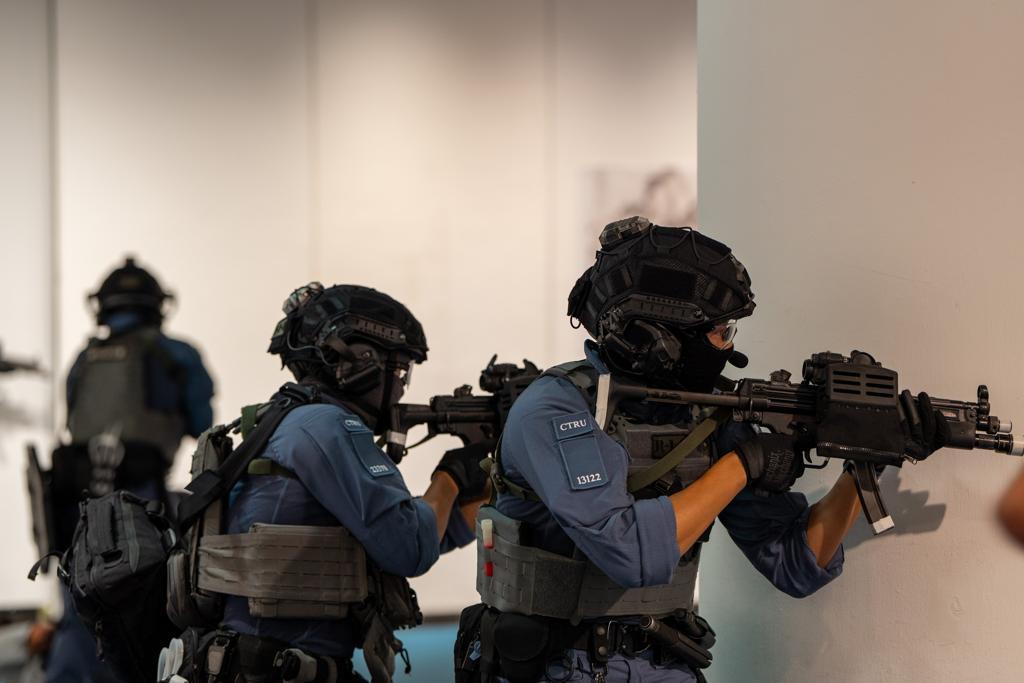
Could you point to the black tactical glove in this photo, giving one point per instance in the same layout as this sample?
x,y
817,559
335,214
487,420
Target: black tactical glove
x,y
463,465
772,461
925,429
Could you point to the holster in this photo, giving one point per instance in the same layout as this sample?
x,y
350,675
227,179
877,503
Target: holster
x,y
514,646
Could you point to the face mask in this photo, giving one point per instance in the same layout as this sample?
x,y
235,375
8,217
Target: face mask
x,y
701,364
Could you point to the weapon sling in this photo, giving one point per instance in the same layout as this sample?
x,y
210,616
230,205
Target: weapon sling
x,y
646,477
636,481
212,484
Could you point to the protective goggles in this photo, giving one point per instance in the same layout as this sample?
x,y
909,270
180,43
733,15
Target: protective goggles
x,y
726,331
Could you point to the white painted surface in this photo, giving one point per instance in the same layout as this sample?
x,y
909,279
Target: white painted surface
x,y
183,140
432,189
438,151
454,143
864,161
25,278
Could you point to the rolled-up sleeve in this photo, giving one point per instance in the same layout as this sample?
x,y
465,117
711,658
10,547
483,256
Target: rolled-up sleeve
x,y
358,484
772,533
580,478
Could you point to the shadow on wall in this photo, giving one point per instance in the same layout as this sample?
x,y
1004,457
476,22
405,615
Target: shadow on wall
x,y
739,622
910,511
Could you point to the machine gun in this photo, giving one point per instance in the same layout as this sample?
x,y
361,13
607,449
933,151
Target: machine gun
x,y
852,392
12,365
471,418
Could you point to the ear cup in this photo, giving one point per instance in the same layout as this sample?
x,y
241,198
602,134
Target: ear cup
x,y
360,367
644,348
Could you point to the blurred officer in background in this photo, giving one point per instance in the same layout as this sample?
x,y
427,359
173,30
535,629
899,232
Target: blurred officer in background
x,y
133,394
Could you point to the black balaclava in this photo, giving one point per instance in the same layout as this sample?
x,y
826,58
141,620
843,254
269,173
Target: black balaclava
x,y
701,363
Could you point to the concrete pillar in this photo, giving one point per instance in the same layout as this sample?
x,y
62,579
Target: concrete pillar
x,y
865,160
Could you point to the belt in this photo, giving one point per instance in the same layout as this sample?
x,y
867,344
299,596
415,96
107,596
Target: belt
x,y
604,639
259,657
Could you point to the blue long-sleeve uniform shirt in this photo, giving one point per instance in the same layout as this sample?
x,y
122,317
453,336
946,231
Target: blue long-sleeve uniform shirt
x,y
551,444
342,478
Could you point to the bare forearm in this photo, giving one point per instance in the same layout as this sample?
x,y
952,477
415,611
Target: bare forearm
x,y
469,511
830,519
698,504
440,496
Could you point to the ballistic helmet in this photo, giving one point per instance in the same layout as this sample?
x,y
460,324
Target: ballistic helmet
x,y
357,334
654,289
129,287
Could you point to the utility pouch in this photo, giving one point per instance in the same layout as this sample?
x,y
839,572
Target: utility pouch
x,y
522,644
468,645
187,604
70,475
379,647
398,601
194,644
391,604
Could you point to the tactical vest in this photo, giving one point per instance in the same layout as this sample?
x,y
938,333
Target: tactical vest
x,y
284,571
518,577
110,393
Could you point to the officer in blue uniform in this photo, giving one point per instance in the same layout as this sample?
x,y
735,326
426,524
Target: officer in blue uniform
x,y
587,561
353,348
133,394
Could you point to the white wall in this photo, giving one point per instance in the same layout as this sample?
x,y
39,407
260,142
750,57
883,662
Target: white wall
x,y
863,159
438,151
432,189
25,277
184,140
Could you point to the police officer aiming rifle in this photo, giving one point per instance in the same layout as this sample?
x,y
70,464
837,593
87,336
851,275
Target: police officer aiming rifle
x,y
304,558
580,571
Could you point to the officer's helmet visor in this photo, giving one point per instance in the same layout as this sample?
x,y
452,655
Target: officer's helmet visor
x,y
722,334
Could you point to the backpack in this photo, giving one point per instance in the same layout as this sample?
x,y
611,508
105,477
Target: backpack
x,y
116,572
116,568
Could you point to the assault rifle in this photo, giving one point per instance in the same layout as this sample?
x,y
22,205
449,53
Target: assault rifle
x,y
12,365
471,418
847,406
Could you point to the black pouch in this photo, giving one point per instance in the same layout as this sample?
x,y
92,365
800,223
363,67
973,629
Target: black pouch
x,y
467,667
694,626
523,644
69,479
398,600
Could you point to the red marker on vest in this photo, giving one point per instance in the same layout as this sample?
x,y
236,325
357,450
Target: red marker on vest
x,y
487,532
